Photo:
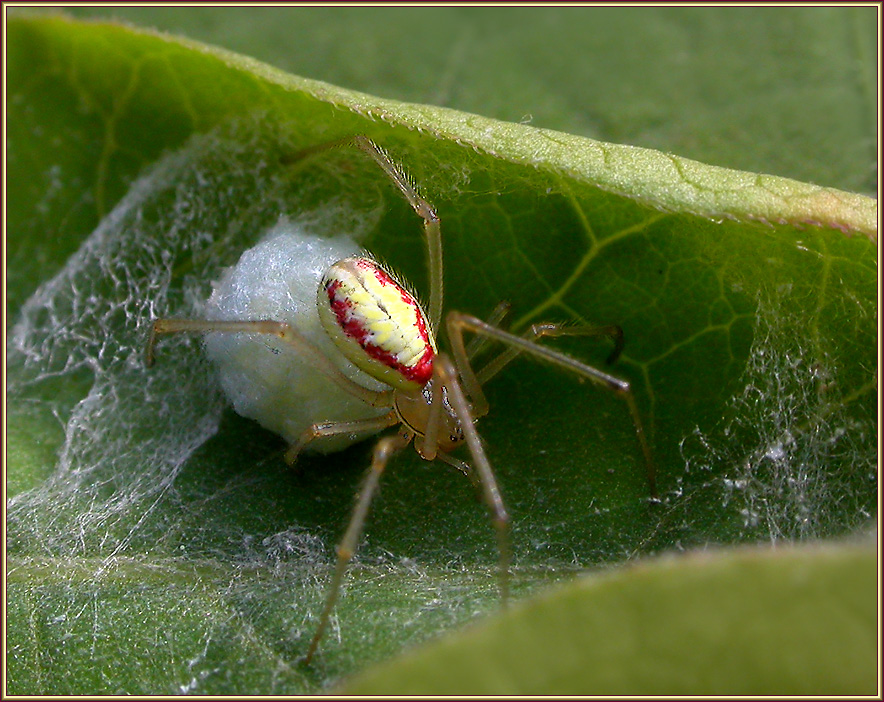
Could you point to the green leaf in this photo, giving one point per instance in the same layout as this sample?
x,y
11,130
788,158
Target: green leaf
x,y
158,543
750,622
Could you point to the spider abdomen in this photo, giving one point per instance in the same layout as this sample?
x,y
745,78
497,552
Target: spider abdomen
x,y
376,323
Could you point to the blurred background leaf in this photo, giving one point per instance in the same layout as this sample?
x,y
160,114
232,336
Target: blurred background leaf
x,y
801,621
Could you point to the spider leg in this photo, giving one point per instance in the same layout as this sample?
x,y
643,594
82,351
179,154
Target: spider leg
x,y
481,468
551,329
420,205
457,323
283,331
427,445
495,319
320,429
384,449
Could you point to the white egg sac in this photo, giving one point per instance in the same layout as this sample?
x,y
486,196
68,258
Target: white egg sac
x,y
264,378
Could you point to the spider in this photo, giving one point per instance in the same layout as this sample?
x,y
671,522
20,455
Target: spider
x,y
434,396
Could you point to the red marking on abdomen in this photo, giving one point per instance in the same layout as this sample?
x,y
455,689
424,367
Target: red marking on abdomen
x,y
420,372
